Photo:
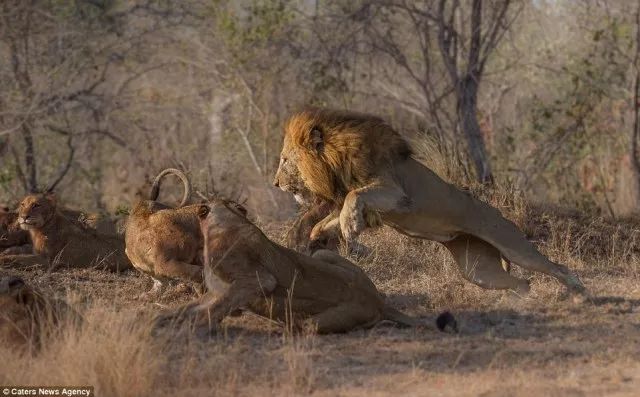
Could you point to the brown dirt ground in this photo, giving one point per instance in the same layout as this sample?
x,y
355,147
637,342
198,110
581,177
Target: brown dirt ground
x,y
545,345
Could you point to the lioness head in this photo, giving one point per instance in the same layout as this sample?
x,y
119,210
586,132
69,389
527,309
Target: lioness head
x,y
223,213
327,153
36,210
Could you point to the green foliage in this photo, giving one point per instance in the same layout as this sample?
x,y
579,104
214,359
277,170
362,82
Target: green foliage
x,y
576,131
6,176
257,25
122,210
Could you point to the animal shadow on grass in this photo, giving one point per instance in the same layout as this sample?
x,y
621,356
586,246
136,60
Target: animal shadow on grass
x,y
471,323
614,300
534,322
229,334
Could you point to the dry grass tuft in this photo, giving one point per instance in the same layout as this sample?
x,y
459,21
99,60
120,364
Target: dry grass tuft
x,y
109,351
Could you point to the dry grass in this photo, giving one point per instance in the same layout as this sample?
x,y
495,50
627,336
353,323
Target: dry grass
x,y
507,347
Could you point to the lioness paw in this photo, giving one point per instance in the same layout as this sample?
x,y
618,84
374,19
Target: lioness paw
x,y
316,233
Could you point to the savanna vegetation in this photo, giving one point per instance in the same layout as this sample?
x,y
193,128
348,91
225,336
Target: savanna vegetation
x,y
532,105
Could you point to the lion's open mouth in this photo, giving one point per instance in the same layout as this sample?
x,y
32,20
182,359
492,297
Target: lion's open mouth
x,y
297,195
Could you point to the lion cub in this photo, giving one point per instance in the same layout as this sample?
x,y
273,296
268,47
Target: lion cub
x,y
26,316
324,292
58,240
163,242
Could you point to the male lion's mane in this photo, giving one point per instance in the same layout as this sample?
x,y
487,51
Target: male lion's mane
x,y
353,146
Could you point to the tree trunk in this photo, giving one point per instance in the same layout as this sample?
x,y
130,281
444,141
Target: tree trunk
x,y
467,102
635,133
29,158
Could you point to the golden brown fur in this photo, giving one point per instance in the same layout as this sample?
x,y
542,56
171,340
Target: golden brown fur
x,y
165,243
26,315
363,166
13,240
323,292
16,241
59,241
298,237
347,158
91,221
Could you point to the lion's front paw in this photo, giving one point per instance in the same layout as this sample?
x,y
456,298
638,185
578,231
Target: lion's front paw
x,y
351,223
325,233
317,233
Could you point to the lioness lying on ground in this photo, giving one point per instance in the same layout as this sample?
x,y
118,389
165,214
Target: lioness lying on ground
x,y
163,242
363,166
59,241
26,316
16,241
325,293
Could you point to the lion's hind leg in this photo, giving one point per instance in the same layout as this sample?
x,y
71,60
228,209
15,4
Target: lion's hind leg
x,y
480,263
208,311
184,313
505,236
184,271
344,317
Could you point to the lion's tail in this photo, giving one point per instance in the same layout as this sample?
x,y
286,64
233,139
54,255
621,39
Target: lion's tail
x,y
444,319
155,188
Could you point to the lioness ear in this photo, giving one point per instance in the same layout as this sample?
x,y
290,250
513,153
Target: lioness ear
x,y
317,139
203,211
51,197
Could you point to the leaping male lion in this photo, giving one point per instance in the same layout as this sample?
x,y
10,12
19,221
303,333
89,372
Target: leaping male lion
x,y
324,293
363,166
